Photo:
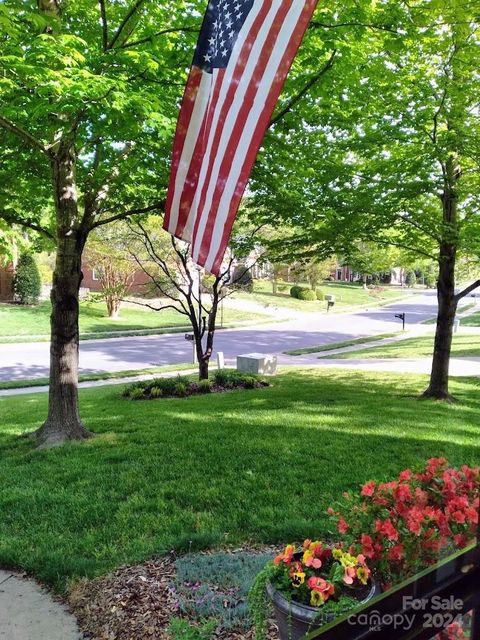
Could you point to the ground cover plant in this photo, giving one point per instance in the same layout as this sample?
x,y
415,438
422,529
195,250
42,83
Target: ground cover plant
x,y
183,386
217,469
217,585
17,320
464,346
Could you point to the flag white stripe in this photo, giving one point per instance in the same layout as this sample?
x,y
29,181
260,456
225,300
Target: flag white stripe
x,y
227,79
201,105
288,27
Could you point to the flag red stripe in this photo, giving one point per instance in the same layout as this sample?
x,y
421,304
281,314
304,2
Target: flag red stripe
x,y
191,182
263,121
242,116
188,104
237,74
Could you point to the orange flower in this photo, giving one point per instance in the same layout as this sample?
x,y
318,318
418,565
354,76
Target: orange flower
x,y
287,556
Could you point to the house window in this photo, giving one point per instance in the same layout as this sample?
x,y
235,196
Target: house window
x,y
97,273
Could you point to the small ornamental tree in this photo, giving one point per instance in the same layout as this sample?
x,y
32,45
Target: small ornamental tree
x,y
107,253
167,263
26,282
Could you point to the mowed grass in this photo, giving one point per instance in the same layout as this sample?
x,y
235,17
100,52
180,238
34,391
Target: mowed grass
x,y
248,466
346,295
471,321
339,345
35,320
463,346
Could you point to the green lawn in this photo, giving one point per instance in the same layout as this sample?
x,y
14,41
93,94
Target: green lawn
x,y
464,345
347,295
339,345
471,321
35,321
259,465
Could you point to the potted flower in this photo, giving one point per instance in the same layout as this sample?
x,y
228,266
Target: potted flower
x,y
405,525
310,587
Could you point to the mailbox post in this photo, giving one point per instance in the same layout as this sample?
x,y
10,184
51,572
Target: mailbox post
x,y
401,316
191,338
330,299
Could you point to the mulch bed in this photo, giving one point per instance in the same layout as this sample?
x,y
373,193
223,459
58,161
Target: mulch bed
x,y
135,603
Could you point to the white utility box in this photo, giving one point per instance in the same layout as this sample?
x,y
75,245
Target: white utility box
x,y
258,363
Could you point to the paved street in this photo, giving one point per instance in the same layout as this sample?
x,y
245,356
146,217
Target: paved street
x,y
30,360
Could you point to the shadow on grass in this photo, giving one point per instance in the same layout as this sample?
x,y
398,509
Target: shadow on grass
x,y
204,471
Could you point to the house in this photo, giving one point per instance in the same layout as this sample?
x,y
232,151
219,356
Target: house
x,y
140,282
344,274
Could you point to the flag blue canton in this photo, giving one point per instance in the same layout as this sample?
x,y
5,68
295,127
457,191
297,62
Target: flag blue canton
x,y
222,24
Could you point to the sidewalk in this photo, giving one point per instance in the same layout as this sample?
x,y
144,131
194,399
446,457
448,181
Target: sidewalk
x,y
28,612
98,383
459,367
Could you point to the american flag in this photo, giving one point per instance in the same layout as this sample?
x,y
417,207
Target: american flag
x,y
243,56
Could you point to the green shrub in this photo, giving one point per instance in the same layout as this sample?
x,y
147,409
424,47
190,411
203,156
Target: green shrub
x,y
182,386
295,290
230,378
136,394
411,279
430,280
307,294
205,386
26,282
180,389
162,387
282,286
250,382
320,294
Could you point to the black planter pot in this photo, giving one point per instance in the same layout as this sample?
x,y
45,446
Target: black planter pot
x,y
295,620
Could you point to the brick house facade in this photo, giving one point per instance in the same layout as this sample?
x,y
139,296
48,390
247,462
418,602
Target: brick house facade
x,y
139,284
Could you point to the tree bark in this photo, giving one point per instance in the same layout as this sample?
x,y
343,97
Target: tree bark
x,y
63,422
447,302
113,308
447,307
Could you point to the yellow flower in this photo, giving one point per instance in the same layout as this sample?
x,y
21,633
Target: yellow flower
x,y
348,560
298,578
316,599
362,575
337,554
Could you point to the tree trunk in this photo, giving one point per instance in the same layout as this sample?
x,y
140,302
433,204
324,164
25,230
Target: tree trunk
x,y
63,422
203,368
447,307
113,308
447,301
